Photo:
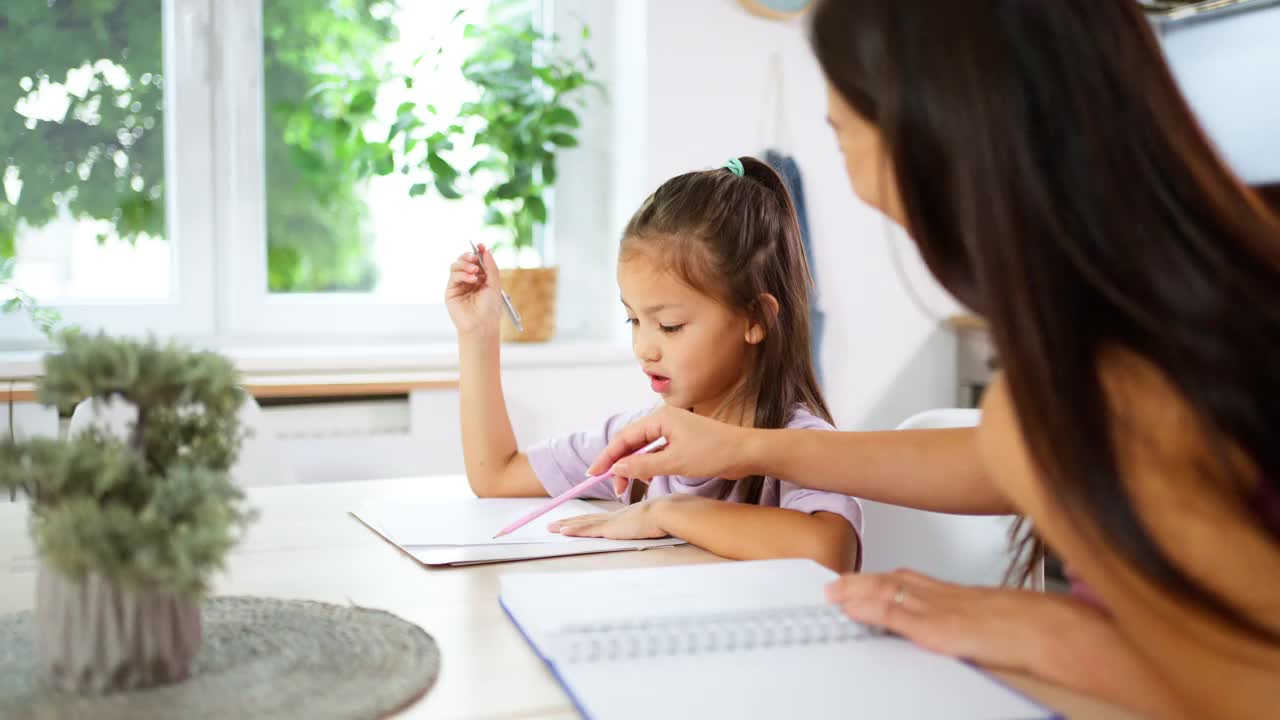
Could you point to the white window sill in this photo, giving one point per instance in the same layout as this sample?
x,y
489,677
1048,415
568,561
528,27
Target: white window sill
x,y
373,359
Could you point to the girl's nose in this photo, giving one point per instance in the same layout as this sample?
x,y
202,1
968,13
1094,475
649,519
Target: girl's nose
x,y
646,349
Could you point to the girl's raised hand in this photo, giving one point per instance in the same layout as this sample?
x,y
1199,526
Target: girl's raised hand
x,y
696,447
473,296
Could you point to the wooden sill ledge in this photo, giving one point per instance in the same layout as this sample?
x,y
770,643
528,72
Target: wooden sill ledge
x,y
301,386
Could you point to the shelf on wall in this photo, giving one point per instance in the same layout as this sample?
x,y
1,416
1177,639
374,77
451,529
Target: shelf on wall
x,y
1176,12
275,387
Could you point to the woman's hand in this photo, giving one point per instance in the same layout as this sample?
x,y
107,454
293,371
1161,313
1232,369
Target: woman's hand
x,y
696,447
998,627
1052,637
634,522
474,296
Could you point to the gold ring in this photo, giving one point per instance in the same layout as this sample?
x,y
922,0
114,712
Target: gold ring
x,y
900,595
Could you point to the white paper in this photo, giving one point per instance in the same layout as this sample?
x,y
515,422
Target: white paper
x,y
589,597
879,677
466,521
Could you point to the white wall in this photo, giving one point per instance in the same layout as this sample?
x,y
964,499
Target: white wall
x,y
696,92
422,436
1229,68
582,239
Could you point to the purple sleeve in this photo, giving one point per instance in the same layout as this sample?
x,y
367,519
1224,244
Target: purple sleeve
x,y
561,463
806,500
794,497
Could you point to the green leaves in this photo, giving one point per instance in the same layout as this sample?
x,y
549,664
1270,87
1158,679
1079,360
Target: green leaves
x,y
155,507
445,175
561,115
8,244
536,208
324,84
406,121
361,104
508,190
524,116
441,167
45,319
109,144
562,139
447,190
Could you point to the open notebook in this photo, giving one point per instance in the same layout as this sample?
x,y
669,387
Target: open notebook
x,y
735,640
459,531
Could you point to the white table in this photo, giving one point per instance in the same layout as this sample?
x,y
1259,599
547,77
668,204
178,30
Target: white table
x,y
306,545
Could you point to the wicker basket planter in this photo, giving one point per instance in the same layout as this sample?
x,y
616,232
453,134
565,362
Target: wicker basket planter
x,y
533,292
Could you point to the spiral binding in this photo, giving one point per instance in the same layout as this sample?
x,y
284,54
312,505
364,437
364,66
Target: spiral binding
x,y
706,634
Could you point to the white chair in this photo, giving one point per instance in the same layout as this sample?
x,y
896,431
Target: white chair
x,y
260,462
973,550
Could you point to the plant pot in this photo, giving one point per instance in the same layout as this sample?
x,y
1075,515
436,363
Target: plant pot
x,y
533,292
95,637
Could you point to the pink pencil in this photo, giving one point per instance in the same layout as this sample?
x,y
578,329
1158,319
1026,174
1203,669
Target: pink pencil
x,y
572,493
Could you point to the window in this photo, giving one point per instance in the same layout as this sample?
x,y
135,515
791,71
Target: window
x,y
210,168
88,213
333,82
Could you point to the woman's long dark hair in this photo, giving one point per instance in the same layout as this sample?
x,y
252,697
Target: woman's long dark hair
x,y
737,238
1056,181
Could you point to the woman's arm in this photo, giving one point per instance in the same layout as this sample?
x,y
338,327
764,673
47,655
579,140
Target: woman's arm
x,y
738,531
1050,637
936,470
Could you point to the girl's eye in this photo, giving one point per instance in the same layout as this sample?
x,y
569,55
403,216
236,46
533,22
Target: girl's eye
x,y
670,328
633,322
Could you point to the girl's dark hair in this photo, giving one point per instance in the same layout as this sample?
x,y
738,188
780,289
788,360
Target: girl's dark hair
x,y
737,238
1056,181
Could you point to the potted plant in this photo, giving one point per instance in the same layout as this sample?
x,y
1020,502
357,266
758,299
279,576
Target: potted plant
x,y
129,529
525,114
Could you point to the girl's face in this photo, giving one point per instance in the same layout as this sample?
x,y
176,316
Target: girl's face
x,y
693,347
869,168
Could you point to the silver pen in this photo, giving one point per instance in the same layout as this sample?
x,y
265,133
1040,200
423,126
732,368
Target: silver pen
x,y
506,299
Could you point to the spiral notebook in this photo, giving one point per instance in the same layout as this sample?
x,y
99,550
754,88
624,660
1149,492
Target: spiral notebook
x,y
741,640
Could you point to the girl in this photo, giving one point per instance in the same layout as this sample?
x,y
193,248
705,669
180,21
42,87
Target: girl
x,y
715,287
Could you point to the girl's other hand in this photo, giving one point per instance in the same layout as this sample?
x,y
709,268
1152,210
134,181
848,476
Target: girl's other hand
x,y
473,296
634,522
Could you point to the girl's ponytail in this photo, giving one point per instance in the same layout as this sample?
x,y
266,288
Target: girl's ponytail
x,y
763,173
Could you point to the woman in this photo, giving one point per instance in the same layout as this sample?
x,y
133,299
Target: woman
x,y
1054,179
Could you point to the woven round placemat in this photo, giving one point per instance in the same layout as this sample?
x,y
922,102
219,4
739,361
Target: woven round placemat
x,y
261,658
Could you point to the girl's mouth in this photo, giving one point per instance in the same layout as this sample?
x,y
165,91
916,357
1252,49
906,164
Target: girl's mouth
x,y
659,383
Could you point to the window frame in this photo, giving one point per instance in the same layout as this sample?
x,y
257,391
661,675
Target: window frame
x,y
250,311
215,179
188,163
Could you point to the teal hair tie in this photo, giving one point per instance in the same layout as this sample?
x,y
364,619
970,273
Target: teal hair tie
x,y
735,166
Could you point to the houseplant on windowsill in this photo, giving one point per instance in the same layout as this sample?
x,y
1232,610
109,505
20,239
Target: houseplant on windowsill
x,y
525,114
129,529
